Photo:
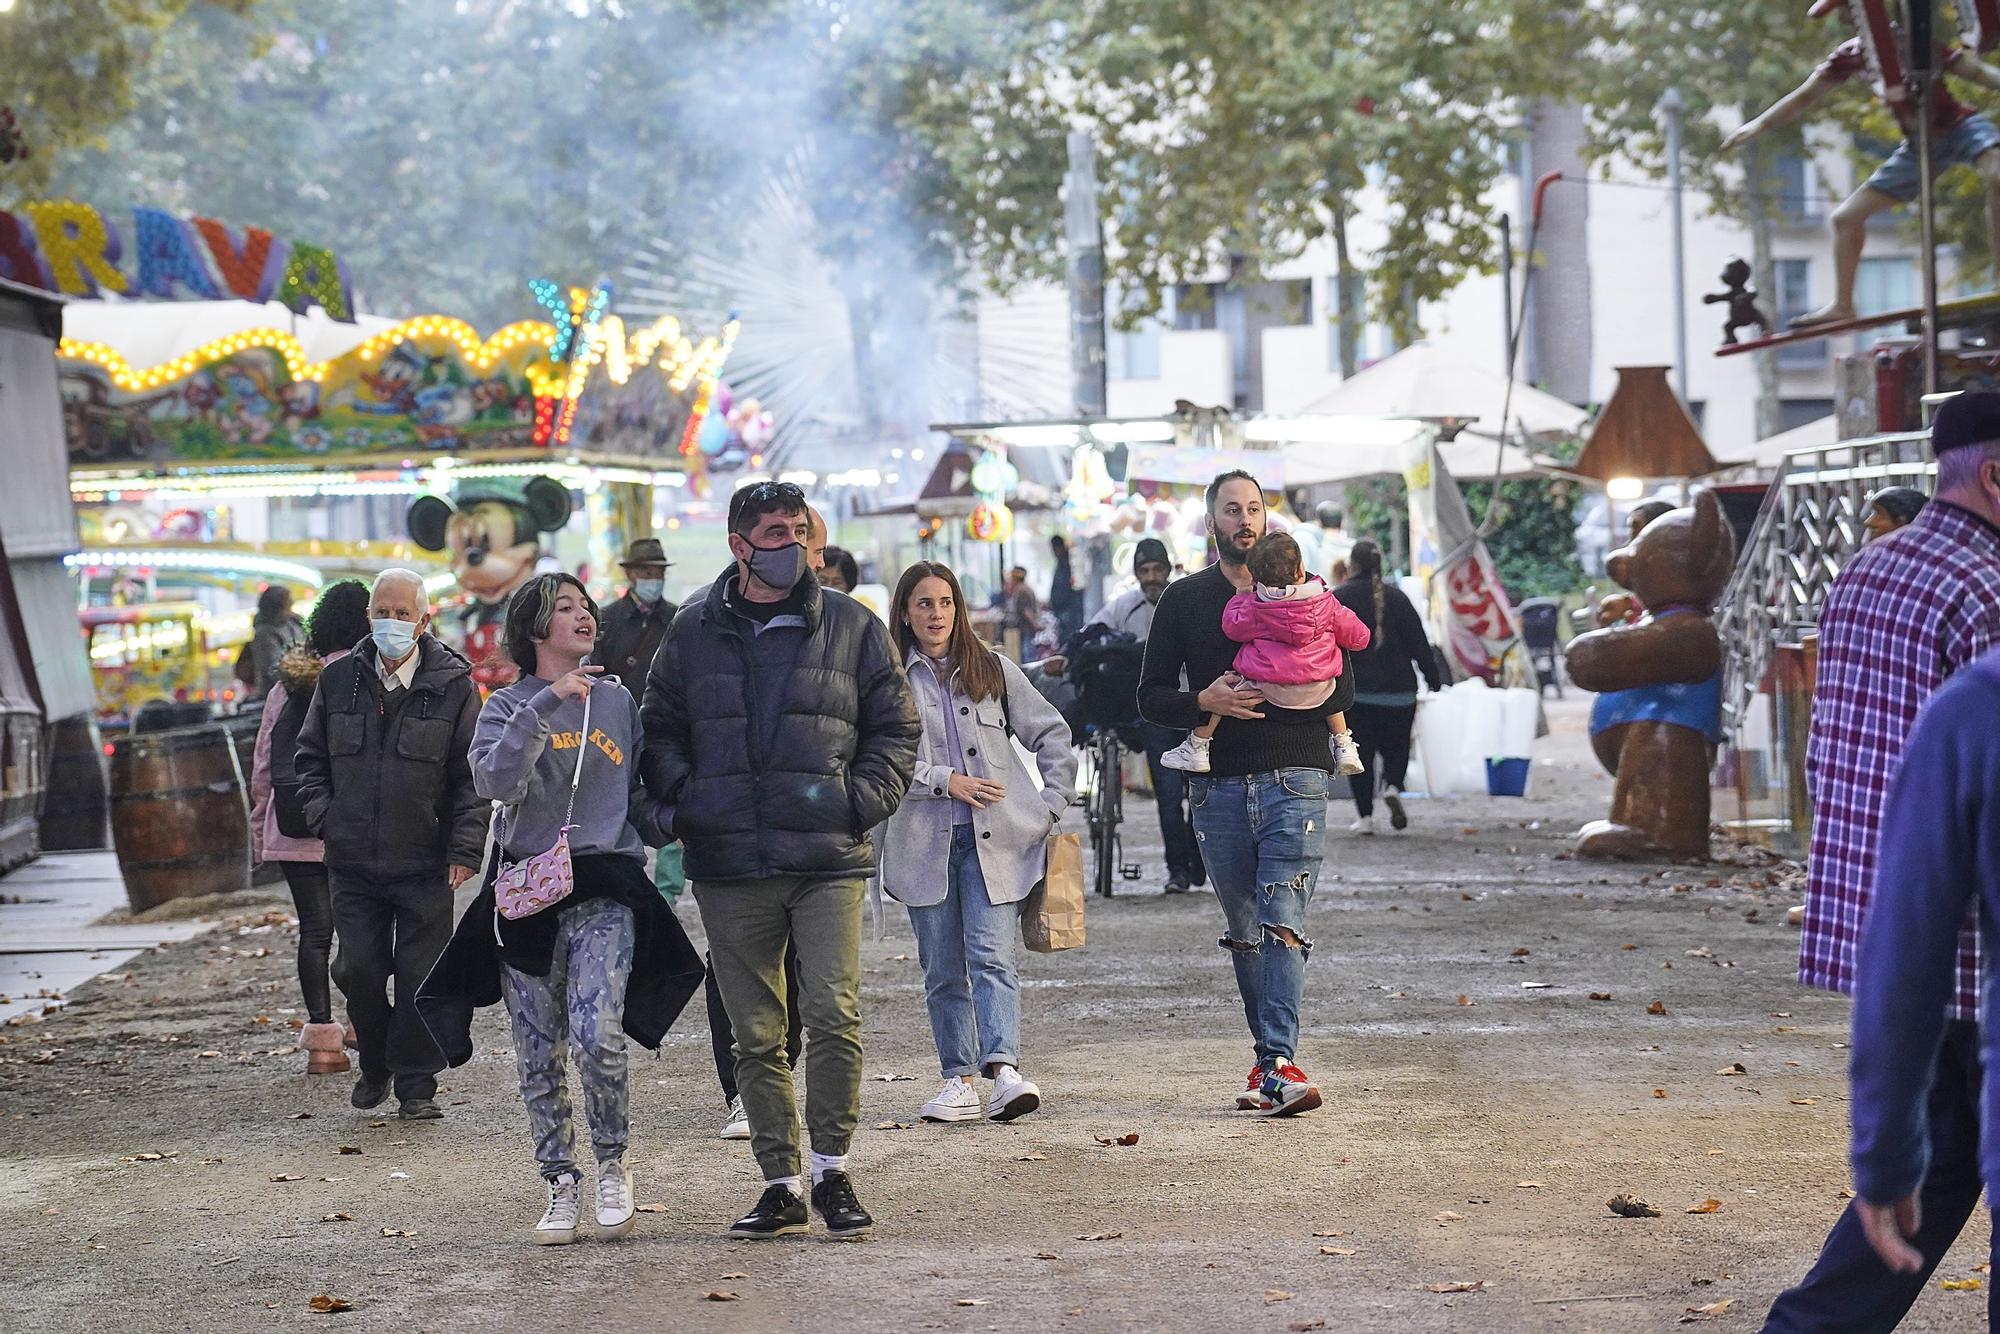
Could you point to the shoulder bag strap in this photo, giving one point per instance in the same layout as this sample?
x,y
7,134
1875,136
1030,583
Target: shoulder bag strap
x,y
576,775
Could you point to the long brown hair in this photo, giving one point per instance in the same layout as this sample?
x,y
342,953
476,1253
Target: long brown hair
x,y
978,667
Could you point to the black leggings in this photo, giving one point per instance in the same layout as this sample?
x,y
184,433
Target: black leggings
x,y
1380,731
314,902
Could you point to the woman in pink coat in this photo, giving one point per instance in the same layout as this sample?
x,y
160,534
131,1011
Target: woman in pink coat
x,y
1292,630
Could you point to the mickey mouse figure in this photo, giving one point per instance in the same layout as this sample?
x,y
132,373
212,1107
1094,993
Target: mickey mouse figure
x,y
1742,299
493,529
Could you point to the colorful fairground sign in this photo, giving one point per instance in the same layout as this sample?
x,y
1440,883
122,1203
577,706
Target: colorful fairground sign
x,y
72,248
580,381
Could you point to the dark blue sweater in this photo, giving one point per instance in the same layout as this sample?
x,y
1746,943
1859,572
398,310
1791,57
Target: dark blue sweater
x,y
1940,855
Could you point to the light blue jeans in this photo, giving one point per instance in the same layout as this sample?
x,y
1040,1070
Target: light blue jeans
x,y
970,986
1261,838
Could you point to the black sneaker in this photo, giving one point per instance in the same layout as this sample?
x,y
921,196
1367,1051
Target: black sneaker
x,y
1177,886
420,1109
842,1213
779,1213
1394,801
369,1090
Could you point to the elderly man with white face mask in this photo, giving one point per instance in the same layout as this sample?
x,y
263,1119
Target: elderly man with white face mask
x,y
386,781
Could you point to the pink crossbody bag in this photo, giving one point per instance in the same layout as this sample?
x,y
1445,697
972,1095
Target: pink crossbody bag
x,y
524,888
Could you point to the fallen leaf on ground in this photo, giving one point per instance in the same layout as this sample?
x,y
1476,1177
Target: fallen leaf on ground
x,y
1032,1158
1527,1185
656,1209
1100,1236
1659,1093
727,1277
1733,1068
300,1116
286,1176
1707,1206
349,1148
1708,1312
892,1125
1630,1206
212,1055
1600,995
326,1304
154,1157
899,958
894,1079
396,1232
1301,1326
1477,1285
1805,1102
1959,1284
336,1218
1703,953
1280,1295
1448,1217
1628,947
1536,986
1047,1255
1657,1007
1520,952
1123,1141
719,1296
1338,1250
1465,1000
972,1301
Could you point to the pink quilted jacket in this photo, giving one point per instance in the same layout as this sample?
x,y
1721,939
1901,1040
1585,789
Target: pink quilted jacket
x,y
1295,641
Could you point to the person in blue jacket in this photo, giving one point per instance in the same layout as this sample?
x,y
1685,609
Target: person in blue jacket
x,y
1940,858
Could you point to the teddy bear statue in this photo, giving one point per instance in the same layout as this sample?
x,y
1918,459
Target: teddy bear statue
x,y
1658,715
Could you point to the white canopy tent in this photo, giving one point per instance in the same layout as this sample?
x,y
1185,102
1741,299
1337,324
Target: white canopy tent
x,y
1324,449
1422,381
1768,454
147,333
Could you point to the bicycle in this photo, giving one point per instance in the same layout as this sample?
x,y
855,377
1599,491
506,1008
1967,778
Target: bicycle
x,y
1104,802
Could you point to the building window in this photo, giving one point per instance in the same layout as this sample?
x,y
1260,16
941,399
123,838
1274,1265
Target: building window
x,y
1194,305
1133,354
1798,192
1793,412
1794,298
1886,284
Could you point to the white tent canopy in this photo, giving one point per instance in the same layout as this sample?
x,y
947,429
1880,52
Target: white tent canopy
x,y
1321,449
1768,454
1422,381
147,333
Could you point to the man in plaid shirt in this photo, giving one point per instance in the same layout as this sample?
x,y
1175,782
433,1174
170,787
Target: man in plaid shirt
x,y
1906,612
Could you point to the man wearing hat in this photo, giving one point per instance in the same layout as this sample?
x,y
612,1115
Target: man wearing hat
x,y
1907,612
635,624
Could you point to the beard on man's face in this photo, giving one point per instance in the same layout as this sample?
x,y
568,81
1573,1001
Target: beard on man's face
x,y
1233,545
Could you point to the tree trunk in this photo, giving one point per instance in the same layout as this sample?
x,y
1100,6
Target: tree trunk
x,y
1344,306
1759,186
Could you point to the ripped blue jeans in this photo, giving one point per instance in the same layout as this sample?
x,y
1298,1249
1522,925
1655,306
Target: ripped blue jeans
x,y
1262,836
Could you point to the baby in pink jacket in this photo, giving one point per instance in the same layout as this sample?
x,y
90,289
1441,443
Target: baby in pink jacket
x,y
1292,630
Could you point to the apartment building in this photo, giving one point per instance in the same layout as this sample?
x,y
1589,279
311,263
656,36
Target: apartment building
x,y
1602,298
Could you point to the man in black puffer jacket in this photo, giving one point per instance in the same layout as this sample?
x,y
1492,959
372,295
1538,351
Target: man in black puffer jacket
x,y
384,778
779,731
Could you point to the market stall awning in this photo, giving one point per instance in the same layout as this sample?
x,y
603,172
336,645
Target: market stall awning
x,y
1422,381
1769,453
149,333
1323,449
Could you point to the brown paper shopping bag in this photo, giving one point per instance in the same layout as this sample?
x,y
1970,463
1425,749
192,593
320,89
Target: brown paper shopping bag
x,y
1052,914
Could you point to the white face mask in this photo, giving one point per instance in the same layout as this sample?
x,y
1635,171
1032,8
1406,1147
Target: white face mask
x,y
648,590
393,638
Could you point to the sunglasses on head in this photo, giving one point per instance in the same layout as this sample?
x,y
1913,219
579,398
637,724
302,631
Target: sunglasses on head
x,y
768,491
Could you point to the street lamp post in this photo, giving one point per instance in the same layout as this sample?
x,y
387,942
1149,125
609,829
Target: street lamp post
x,y
1672,105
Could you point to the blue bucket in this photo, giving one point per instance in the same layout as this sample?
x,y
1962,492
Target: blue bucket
x,y
1507,778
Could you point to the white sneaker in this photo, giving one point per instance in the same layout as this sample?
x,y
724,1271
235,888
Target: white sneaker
x,y
1347,758
1365,825
1012,1095
1191,756
956,1101
558,1225
737,1124
614,1199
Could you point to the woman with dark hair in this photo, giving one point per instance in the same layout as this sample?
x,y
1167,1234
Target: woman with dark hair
x,y
1385,684
841,573
970,838
559,749
273,631
278,828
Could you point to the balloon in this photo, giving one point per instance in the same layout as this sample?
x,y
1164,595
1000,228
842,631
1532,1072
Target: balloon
x,y
714,433
723,398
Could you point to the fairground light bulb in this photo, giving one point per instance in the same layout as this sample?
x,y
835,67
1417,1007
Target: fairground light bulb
x,y
1625,488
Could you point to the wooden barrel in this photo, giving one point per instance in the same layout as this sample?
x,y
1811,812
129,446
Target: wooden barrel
x,y
178,817
76,808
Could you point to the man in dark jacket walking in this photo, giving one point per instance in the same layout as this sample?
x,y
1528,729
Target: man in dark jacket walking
x,y
635,624
385,780
779,731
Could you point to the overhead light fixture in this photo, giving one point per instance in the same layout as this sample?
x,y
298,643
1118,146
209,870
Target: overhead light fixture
x,y
1625,488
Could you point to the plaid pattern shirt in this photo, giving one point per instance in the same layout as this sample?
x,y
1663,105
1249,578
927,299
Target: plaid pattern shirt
x,y
1906,612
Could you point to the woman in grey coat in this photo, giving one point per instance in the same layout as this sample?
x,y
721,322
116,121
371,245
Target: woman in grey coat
x,y
971,837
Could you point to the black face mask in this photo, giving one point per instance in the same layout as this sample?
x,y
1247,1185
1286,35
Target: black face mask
x,y
778,567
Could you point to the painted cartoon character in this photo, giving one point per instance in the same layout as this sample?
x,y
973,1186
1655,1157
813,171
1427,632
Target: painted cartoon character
x,y
1658,715
439,410
300,399
492,528
248,413
392,387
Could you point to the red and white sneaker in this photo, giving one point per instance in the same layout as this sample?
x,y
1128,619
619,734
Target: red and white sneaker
x,y
1286,1092
1252,1097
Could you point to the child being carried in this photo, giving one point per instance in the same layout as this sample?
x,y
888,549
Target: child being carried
x,y
1292,630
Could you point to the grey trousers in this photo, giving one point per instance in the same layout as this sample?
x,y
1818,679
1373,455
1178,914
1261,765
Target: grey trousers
x,y
748,924
580,1005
